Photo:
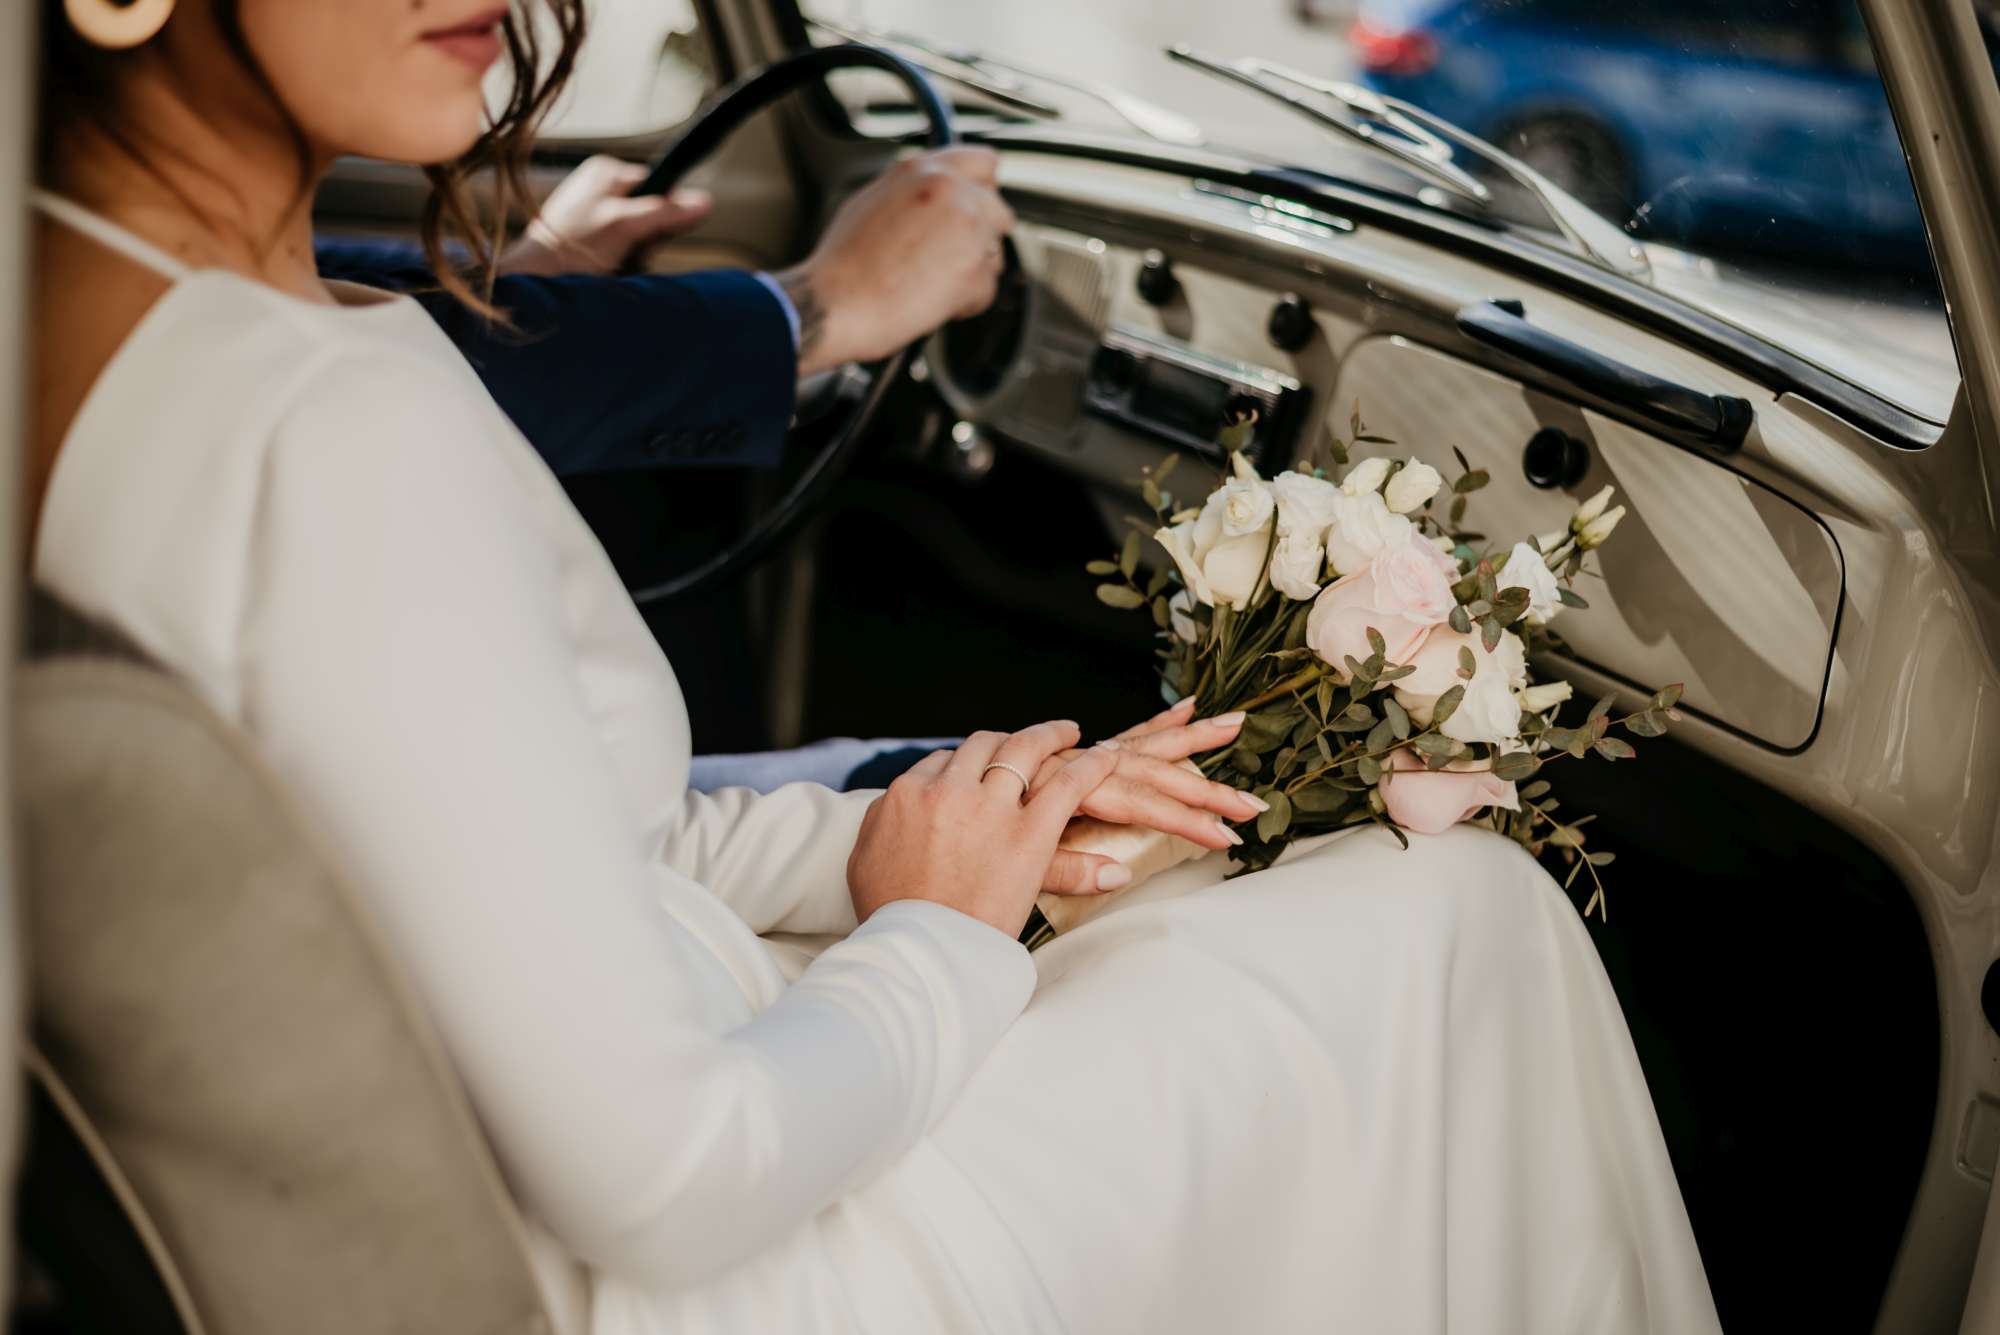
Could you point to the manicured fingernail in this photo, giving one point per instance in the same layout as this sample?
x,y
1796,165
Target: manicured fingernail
x,y
1229,720
1255,801
1109,745
1113,876
1182,705
1234,837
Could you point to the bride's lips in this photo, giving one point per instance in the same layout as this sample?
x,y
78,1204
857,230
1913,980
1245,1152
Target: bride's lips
x,y
475,41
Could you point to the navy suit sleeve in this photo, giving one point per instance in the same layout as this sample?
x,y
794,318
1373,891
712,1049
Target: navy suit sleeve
x,y
611,373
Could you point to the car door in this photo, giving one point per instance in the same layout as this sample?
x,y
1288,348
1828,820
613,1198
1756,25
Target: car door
x,y
1940,81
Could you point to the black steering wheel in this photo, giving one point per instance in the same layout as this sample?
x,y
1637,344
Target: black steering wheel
x,y
869,385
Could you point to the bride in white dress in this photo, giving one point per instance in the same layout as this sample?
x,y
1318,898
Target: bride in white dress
x,y
1367,1090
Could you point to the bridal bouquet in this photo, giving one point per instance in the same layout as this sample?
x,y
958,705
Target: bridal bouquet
x,y
1380,649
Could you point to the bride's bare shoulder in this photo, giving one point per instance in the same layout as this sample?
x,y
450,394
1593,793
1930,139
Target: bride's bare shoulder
x,y
85,304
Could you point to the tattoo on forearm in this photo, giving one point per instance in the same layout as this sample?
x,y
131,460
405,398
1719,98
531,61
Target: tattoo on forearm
x,y
805,301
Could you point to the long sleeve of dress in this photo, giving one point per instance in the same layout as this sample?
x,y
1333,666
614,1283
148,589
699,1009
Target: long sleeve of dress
x,y
779,859
408,667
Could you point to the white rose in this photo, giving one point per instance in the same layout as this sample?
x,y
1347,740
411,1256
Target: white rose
x,y
1527,569
1362,526
1437,666
1305,509
1365,477
1297,563
1541,699
1488,713
1235,565
1591,508
1597,530
1413,484
1216,565
1179,542
1304,502
1244,505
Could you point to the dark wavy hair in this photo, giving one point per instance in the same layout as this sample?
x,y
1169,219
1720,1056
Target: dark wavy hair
x,y
463,226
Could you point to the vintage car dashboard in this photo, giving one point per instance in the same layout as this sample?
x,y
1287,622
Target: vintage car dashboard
x,y
1138,326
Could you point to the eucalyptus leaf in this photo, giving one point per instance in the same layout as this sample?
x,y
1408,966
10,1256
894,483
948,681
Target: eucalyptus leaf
x,y
1613,749
1101,567
1370,770
1515,766
1378,644
1468,666
1278,819
1667,697
1461,622
1128,556
1120,596
1446,706
1601,708
1150,493
1647,724
1570,598
1380,736
1319,799
1397,717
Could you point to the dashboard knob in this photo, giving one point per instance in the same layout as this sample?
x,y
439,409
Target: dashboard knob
x,y
1157,284
1292,325
1554,458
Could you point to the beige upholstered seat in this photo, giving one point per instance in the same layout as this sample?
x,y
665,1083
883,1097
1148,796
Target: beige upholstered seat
x,y
213,1012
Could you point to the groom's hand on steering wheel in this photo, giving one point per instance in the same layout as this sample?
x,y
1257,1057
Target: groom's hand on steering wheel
x,y
919,245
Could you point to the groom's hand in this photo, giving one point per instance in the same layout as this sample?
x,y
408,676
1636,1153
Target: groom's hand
x,y
916,247
592,223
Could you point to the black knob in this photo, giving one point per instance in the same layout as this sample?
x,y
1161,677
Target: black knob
x,y
1553,458
1292,325
1157,284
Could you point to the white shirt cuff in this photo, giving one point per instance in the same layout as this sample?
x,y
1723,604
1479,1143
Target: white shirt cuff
x,y
784,301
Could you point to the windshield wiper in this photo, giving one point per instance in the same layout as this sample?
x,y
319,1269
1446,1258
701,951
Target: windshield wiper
x,y
1006,92
991,72
1427,145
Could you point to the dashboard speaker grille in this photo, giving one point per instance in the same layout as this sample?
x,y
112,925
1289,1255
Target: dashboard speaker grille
x,y
1073,277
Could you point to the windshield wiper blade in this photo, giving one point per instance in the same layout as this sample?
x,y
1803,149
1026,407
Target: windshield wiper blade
x,y
1155,122
1426,144
1006,92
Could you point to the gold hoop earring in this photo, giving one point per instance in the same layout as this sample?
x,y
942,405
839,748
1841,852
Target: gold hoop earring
x,y
118,27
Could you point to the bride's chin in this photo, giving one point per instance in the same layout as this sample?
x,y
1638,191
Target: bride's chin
x,y
428,136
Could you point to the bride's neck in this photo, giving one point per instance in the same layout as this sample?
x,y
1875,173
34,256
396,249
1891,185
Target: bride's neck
x,y
217,191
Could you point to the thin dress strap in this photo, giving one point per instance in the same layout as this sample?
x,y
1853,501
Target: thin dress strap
x,y
110,235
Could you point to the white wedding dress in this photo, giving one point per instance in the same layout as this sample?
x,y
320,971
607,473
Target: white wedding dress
x,y
1366,1091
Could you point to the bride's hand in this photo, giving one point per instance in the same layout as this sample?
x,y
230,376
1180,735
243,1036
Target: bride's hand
x,y
956,831
1150,787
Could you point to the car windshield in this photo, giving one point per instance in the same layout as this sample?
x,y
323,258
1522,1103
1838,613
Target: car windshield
x,y
1746,144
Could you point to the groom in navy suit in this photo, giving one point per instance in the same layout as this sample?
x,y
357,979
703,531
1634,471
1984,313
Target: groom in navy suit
x,y
603,371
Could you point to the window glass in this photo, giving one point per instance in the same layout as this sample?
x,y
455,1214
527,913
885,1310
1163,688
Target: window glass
x,y
1747,145
645,65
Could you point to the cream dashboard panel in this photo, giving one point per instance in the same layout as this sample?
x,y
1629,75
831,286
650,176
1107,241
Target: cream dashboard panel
x,y
1714,579
1717,580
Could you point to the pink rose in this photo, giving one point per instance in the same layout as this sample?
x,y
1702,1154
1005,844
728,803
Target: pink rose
x,y
1411,582
1432,801
1338,625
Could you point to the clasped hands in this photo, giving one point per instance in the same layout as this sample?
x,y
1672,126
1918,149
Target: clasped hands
x,y
958,830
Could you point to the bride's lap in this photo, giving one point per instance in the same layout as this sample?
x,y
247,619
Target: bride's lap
x,y
1234,1093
